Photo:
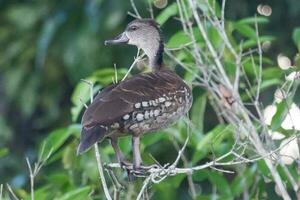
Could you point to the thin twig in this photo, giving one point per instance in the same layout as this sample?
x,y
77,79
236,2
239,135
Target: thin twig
x,y
222,170
144,187
181,46
189,176
135,9
100,170
31,179
118,187
259,78
209,44
12,192
150,9
1,192
136,59
223,14
84,104
180,152
33,172
116,74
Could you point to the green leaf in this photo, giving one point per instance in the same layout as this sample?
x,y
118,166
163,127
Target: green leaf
x,y
204,7
218,180
198,110
206,197
253,42
80,96
77,194
56,139
296,37
263,168
69,157
3,152
106,76
281,112
14,79
297,61
150,139
268,83
200,175
210,137
246,30
253,20
23,16
43,192
264,85
168,189
168,12
215,6
243,180
271,72
124,144
214,137
252,69
180,39
59,179
293,171
288,133
214,36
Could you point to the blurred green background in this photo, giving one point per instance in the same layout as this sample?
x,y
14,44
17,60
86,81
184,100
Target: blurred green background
x,y
47,46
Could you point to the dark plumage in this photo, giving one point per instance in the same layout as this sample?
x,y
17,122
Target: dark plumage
x,y
138,105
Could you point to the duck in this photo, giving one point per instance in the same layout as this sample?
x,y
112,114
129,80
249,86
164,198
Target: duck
x,y
141,104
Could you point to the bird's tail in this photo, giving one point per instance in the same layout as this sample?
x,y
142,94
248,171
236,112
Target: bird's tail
x,y
89,136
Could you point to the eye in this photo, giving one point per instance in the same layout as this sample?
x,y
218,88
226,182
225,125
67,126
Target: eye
x,y
132,28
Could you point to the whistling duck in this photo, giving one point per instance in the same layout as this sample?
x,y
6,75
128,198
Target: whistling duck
x,y
141,104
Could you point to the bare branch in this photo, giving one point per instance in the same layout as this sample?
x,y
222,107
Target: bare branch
x,y
135,9
1,192
259,77
136,59
31,176
12,192
144,187
185,162
33,172
223,14
150,9
100,170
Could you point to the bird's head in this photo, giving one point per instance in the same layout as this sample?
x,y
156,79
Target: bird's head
x,y
145,34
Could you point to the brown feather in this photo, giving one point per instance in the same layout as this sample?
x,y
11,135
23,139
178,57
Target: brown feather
x,y
115,101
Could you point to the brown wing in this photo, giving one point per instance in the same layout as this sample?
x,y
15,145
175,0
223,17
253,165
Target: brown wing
x,y
116,101
113,103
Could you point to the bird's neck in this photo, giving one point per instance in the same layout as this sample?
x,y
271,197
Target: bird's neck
x,y
155,55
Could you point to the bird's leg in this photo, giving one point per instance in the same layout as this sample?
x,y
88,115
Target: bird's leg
x,y
137,160
120,156
138,168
